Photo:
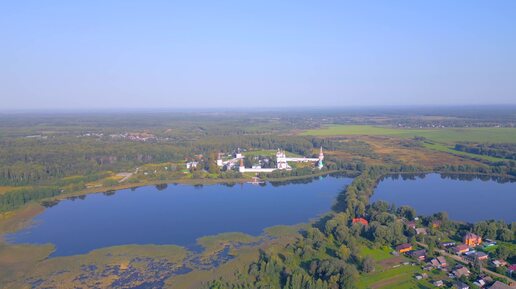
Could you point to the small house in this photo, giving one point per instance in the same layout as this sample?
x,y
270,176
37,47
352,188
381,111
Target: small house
x,y
435,263
461,285
474,255
479,283
511,270
421,231
191,165
442,261
418,254
438,283
436,224
461,271
410,224
497,263
447,244
500,285
403,248
481,256
472,240
460,249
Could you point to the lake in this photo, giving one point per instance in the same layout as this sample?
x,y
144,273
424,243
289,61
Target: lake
x,y
177,214
465,198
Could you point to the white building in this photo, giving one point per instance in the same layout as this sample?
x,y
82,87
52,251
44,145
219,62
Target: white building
x,y
190,165
282,160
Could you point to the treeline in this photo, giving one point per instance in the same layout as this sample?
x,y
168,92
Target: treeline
x,y
354,199
498,230
42,161
504,151
15,199
29,161
500,168
295,144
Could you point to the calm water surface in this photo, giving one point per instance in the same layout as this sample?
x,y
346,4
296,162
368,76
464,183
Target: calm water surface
x,y
177,214
465,200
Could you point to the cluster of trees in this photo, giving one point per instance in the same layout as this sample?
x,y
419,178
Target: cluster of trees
x,y
36,161
504,151
495,230
15,199
286,270
501,168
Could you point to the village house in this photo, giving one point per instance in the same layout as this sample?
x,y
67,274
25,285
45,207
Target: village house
x,y
436,224
439,262
472,256
360,221
511,270
403,248
435,263
191,165
472,240
483,281
488,243
438,283
410,224
480,283
442,261
500,285
461,271
497,263
460,249
446,245
420,231
418,254
461,285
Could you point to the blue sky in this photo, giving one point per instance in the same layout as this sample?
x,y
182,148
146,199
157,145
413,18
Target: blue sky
x,y
168,54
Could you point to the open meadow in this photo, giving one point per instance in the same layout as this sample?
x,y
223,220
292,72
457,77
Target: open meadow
x,y
445,135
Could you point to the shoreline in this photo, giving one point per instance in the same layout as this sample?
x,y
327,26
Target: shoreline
x,y
19,219
12,221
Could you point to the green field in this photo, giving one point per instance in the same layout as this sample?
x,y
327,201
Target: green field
x,y
446,135
401,277
377,254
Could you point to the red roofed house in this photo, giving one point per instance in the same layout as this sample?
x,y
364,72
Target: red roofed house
x,y
511,269
472,240
361,221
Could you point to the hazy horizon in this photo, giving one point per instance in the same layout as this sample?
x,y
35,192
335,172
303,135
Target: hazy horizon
x,y
100,55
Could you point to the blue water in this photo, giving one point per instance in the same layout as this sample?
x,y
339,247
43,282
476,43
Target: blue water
x,y
464,200
177,214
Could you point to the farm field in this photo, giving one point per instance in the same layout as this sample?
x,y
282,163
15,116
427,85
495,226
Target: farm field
x,y
400,277
446,135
